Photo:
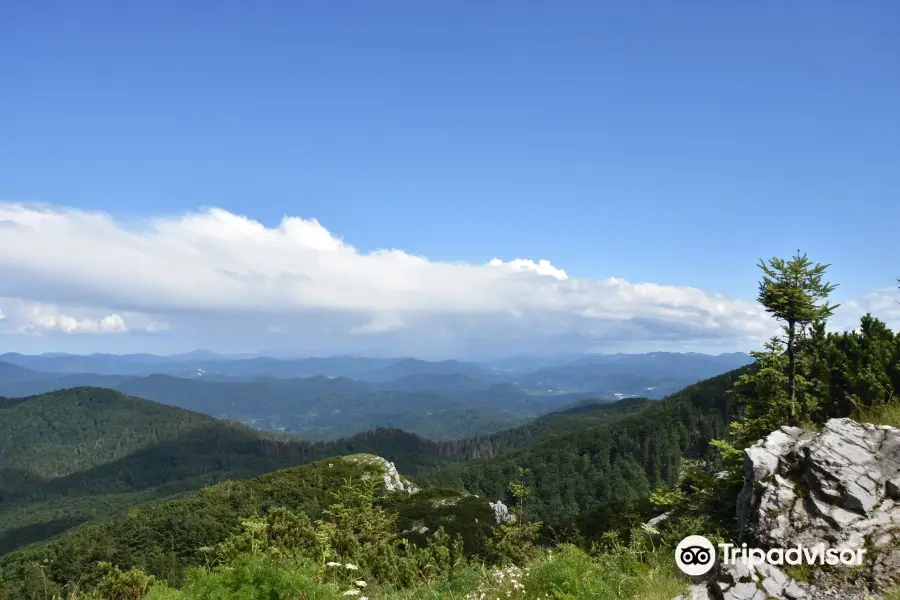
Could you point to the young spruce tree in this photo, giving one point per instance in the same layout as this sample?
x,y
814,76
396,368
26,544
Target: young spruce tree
x,y
794,292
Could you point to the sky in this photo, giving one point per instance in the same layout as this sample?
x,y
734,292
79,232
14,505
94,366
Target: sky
x,y
439,179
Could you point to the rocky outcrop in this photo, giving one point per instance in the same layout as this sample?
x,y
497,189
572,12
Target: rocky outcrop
x,y
501,512
840,487
767,582
393,481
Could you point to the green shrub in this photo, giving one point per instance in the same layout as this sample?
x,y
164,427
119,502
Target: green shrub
x,y
252,577
569,573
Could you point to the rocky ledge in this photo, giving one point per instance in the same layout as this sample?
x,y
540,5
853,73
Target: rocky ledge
x,y
766,582
839,487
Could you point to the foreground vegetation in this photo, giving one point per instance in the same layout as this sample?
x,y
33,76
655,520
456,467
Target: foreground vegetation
x,y
358,544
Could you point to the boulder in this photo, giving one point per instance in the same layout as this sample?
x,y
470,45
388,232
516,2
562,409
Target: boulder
x,y
839,487
501,512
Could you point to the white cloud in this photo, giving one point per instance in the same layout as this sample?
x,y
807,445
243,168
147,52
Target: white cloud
x,y
37,319
381,324
542,267
155,327
221,276
883,303
40,318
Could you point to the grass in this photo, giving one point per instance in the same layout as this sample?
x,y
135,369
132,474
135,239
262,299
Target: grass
x,y
883,414
893,594
802,572
566,573
249,579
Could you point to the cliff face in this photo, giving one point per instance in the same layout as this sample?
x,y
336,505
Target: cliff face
x,y
840,488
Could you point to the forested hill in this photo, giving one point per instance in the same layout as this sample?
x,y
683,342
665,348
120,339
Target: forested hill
x,y
79,434
85,453
63,432
167,536
146,451
577,473
580,415
582,460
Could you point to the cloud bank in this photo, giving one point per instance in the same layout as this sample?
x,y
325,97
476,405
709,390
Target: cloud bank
x,y
215,277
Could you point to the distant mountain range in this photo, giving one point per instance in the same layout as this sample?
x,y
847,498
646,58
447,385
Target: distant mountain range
x,y
206,364
327,398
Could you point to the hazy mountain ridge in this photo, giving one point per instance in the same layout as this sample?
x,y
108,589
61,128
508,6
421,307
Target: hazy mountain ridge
x,y
345,395
378,370
324,408
15,373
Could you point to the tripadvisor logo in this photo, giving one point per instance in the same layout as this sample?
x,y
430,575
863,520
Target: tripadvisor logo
x,y
695,555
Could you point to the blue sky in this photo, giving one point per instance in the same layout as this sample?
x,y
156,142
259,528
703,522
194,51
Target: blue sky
x,y
656,142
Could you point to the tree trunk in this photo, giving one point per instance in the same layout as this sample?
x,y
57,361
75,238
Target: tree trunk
x,y
792,370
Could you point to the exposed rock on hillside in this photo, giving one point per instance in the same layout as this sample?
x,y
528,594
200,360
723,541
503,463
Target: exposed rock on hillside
x,y
501,512
432,509
840,487
393,481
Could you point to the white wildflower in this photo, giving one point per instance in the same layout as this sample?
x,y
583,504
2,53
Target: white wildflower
x,y
361,583
351,592
351,567
333,564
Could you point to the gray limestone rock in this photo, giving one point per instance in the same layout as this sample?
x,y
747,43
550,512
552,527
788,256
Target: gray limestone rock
x,y
501,512
837,487
393,481
793,591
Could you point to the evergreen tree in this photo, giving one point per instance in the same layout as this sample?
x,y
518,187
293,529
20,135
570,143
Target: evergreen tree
x,y
794,293
763,394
